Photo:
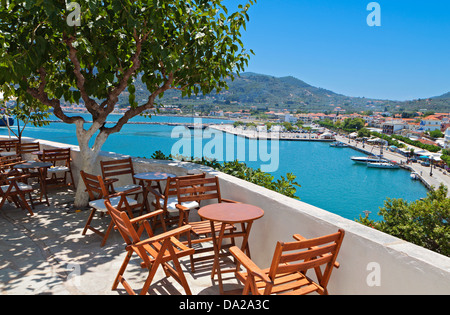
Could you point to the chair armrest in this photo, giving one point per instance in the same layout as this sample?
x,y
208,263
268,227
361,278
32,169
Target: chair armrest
x,y
146,216
249,264
111,180
163,236
182,208
229,200
16,178
125,192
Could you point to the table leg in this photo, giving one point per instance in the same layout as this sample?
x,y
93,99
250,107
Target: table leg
x,y
217,245
43,186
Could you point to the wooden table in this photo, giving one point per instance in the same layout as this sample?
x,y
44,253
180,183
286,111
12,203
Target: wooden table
x,y
229,213
146,180
40,166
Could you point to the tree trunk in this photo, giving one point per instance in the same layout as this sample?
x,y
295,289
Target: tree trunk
x,y
88,158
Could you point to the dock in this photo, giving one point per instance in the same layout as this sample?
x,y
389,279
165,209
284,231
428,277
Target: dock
x,y
261,135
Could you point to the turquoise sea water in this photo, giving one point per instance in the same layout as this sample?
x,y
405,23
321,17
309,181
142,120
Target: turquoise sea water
x,y
328,178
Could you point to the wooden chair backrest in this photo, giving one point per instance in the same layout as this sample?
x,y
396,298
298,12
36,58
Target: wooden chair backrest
x,y
304,254
7,162
198,189
171,185
94,186
23,148
9,145
123,224
118,167
56,155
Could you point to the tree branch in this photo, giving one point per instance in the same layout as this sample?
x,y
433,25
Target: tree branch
x,y
42,96
90,104
113,96
140,109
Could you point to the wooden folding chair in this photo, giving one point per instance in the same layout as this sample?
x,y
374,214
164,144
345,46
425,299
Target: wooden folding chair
x,y
168,200
119,168
98,193
27,148
61,164
291,261
7,162
8,147
13,190
198,190
157,250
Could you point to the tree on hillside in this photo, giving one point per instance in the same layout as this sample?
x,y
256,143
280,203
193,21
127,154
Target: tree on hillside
x,y
92,55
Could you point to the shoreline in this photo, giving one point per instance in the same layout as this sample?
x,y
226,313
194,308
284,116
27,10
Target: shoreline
x,y
429,181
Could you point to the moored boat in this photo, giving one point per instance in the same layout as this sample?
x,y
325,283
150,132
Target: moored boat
x,y
339,145
382,165
365,159
414,176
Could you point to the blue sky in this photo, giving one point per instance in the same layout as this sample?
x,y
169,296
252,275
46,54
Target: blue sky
x,y
328,44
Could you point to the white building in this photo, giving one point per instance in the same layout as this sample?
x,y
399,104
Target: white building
x,y
430,123
447,139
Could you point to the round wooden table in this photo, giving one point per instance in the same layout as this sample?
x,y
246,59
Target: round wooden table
x,y
146,179
229,213
40,166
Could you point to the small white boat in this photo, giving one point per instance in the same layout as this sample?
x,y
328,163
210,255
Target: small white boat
x,y
382,165
414,176
339,145
365,159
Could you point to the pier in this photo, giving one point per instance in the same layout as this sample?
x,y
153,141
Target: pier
x,y
262,135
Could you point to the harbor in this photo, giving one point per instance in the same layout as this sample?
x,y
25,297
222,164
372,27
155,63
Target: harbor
x,y
428,175
329,179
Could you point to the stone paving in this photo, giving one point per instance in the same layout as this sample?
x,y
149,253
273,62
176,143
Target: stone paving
x,y
46,254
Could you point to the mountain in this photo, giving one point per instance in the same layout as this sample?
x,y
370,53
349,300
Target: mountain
x,y
265,91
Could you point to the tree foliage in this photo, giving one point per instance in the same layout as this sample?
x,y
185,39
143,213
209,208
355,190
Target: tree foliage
x,y
424,222
189,45
186,45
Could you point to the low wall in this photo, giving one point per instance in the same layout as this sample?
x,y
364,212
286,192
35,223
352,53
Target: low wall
x,y
371,262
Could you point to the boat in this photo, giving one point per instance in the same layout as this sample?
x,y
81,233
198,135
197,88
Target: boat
x,y
414,176
339,145
5,120
365,159
196,126
383,165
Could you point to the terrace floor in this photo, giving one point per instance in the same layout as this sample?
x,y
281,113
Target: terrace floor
x,y
46,254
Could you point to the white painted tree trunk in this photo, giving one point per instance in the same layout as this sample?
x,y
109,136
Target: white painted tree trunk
x,y
88,158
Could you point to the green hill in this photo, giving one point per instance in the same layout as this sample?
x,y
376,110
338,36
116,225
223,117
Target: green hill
x,y
264,91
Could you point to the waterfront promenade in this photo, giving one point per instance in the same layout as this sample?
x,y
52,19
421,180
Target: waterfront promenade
x,y
437,177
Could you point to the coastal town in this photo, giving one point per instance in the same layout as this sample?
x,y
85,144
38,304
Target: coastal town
x,y
424,126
